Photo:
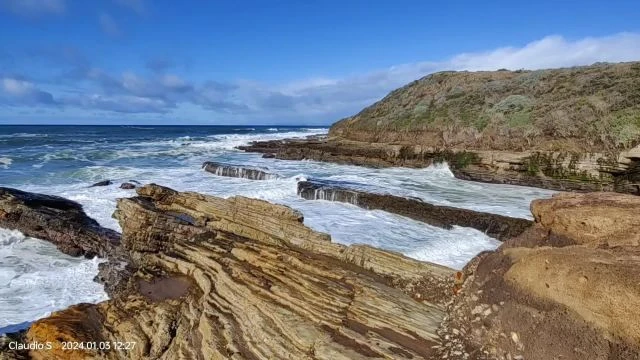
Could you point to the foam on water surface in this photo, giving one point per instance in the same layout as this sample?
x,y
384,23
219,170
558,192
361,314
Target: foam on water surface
x,y
36,279
176,162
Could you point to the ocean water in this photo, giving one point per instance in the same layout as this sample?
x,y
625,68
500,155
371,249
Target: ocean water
x,y
36,279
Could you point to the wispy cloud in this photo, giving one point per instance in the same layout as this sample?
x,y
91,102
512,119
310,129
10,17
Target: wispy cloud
x,y
109,25
160,91
34,8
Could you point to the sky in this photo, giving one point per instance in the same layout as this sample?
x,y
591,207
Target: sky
x,y
290,62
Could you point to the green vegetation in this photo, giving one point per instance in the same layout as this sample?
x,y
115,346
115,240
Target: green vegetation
x,y
593,108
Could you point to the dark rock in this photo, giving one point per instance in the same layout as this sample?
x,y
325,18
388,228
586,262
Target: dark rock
x,y
268,156
102,183
127,186
57,220
497,226
238,171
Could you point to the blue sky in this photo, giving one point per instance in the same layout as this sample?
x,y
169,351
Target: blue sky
x,y
275,62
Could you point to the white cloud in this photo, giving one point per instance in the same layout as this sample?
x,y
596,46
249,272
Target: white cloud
x,y
16,87
551,52
32,8
320,97
21,92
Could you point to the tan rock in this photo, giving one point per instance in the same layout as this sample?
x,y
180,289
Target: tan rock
x,y
593,218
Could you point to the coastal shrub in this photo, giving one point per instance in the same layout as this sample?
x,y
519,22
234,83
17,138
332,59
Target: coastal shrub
x,y
514,103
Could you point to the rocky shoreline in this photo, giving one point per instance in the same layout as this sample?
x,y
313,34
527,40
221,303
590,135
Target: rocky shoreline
x,y
497,226
555,170
200,277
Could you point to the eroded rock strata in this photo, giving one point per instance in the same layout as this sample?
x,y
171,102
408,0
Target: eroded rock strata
x,y
242,278
239,278
245,172
497,226
557,170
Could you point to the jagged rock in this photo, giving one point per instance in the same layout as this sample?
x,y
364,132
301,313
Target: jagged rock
x,y
127,186
55,219
102,183
241,278
545,169
245,172
572,277
497,226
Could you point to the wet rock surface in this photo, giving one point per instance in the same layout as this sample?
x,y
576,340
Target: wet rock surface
x,y
127,186
57,220
102,183
238,171
565,171
497,226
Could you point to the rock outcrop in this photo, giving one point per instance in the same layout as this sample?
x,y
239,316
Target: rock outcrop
x,y
574,277
244,279
55,219
245,172
557,170
497,226
239,278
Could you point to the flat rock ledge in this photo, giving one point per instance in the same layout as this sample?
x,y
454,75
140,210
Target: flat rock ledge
x,y
241,278
497,226
564,171
237,171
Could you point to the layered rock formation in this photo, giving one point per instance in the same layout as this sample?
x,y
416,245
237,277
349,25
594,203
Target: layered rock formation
x,y
242,278
56,219
557,170
245,172
497,226
239,278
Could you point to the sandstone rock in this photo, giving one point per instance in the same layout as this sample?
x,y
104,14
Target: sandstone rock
x,y
497,226
244,279
583,290
245,172
55,219
597,218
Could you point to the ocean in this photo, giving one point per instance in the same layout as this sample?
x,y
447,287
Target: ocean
x,y
36,279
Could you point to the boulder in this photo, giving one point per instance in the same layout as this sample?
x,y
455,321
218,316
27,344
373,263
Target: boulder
x,y
57,220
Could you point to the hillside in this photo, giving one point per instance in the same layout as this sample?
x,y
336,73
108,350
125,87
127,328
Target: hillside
x,y
591,108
